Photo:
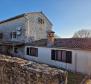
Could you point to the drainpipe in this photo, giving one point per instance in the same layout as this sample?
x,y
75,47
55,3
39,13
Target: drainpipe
x,y
26,26
75,62
28,31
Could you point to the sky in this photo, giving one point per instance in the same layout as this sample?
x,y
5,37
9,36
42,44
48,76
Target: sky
x,y
67,16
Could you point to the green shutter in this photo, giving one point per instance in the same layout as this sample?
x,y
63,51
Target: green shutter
x,y
53,54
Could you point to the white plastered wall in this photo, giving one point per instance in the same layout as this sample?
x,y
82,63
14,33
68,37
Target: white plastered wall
x,y
81,59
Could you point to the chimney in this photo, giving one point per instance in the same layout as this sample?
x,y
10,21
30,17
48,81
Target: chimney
x,y
50,38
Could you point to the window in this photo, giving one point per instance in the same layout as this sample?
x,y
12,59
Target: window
x,y
32,51
1,35
58,55
61,55
15,50
13,34
40,21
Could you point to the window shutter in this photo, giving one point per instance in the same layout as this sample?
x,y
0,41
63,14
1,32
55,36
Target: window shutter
x,y
27,51
53,54
10,34
68,56
1,35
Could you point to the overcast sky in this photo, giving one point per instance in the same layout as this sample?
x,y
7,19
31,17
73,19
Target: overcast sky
x,y
67,16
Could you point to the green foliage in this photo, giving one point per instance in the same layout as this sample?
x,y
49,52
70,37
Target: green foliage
x,y
75,78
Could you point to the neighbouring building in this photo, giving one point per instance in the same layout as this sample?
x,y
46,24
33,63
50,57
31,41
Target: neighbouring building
x,y
73,54
30,36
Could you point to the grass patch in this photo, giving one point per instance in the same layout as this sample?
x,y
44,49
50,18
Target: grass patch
x,y
75,78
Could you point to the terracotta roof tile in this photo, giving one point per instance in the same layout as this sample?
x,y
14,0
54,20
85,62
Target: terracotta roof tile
x,y
76,43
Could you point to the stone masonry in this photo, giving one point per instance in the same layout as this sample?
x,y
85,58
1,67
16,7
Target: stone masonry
x,y
18,71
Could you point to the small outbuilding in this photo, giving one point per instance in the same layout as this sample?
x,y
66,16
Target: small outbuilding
x,y
73,54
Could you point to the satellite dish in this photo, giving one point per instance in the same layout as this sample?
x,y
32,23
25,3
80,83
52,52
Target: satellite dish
x,y
19,28
18,33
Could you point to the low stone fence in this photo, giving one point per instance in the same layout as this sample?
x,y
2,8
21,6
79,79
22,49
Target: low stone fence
x,y
18,71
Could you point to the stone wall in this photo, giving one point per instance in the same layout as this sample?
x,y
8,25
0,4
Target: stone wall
x,y
18,71
11,26
37,31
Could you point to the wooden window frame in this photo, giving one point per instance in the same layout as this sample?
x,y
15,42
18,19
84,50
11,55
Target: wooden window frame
x,y
62,57
31,51
40,20
13,35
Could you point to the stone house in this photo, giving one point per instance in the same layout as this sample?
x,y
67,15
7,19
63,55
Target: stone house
x,y
18,30
30,36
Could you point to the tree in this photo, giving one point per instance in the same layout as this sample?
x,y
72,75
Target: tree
x,y
84,33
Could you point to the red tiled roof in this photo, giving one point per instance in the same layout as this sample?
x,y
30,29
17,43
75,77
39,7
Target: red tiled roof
x,y
81,43
76,43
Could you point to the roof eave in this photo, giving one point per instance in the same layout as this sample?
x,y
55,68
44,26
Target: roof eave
x,y
12,18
